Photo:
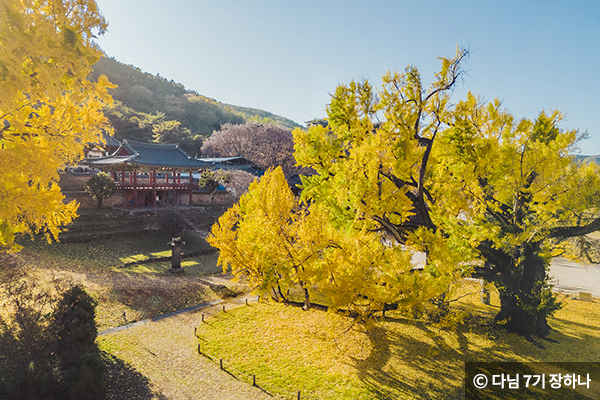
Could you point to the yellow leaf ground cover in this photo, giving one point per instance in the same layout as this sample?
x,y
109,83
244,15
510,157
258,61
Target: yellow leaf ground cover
x,y
290,349
124,293
318,353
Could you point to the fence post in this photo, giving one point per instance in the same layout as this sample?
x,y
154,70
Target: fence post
x,y
199,352
224,308
195,331
298,395
202,317
253,380
221,362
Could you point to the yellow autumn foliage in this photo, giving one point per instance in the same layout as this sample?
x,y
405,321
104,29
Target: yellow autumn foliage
x,y
49,111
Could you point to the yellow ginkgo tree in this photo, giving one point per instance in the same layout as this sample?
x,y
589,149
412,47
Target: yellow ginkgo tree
x,y
401,172
278,243
49,110
527,200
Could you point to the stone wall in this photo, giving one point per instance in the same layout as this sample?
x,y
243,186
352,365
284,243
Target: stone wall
x,y
199,198
72,186
86,202
202,198
73,182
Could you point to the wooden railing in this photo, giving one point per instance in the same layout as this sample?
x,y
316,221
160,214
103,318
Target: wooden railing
x,y
155,186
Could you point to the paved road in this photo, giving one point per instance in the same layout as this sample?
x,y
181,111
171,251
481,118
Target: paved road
x,y
575,277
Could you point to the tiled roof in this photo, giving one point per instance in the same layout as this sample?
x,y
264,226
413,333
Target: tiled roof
x,y
150,155
225,160
110,141
239,163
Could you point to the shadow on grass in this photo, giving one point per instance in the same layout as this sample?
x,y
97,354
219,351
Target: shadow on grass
x,y
225,292
434,363
388,383
124,382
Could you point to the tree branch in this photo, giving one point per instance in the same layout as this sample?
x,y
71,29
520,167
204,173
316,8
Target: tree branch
x,y
570,231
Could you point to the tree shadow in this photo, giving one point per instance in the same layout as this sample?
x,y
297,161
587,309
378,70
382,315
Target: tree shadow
x,y
431,360
124,382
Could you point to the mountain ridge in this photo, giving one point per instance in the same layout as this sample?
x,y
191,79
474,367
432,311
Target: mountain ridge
x,y
151,108
583,158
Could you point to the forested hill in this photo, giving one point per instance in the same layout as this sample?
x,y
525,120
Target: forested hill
x,y
595,159
151,108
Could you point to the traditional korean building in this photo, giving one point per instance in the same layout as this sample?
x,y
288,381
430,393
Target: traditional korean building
x,y
239,163
105,148
150,174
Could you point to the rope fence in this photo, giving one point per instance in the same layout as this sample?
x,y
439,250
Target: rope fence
x,y
253,378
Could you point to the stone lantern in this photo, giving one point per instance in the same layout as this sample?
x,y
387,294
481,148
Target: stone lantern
x,y
176,244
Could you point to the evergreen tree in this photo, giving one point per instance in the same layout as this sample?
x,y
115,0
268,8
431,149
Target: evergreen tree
x,y
74,329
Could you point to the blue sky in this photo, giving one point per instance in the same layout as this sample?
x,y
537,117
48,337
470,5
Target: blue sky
x,y
287,56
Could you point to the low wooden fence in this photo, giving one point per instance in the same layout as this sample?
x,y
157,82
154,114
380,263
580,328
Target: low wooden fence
x,y
252,378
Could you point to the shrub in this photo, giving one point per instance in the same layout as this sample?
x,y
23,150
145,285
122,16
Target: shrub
x,y
100,186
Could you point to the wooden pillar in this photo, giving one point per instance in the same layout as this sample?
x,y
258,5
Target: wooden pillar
x,y
133,181
124,191
191,184
154,188
178,178
167,175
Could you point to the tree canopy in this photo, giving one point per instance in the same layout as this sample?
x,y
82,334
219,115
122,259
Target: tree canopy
x,y
213,180
402,171
49,110
47,342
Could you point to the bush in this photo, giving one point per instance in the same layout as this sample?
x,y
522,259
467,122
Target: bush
x,y
100,186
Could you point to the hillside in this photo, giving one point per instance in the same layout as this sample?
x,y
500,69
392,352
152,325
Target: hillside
x,y
595,159
152,108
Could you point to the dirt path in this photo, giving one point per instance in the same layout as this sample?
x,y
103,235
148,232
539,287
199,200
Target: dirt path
x,y
165,351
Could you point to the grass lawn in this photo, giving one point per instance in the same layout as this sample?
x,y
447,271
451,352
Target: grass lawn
x,y
289,350
113,252
127,293
321,354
